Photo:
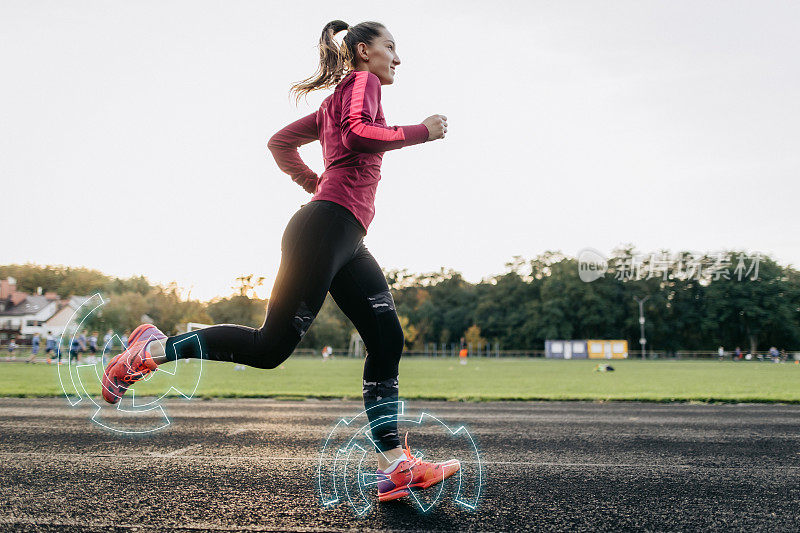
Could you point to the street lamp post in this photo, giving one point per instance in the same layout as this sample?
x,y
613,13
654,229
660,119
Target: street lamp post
x,y
642,339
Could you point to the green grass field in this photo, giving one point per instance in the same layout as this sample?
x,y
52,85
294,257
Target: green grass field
x,y
480,380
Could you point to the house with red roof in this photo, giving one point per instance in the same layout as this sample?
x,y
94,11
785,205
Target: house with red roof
x,y
23,314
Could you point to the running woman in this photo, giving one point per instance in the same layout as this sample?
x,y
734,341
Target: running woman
x,y
322,249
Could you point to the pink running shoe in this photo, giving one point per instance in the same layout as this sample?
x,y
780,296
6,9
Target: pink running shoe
x,y
413,472
132,364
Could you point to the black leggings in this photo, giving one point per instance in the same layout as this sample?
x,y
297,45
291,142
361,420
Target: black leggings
x,y
322,250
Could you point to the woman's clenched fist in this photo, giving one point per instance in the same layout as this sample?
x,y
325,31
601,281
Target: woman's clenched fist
x,y
437,126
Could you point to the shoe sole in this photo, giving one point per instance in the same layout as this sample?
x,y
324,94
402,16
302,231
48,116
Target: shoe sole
x,y
393,495
135,336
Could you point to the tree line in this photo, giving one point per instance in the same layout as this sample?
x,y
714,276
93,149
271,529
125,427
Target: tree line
x,y
693,302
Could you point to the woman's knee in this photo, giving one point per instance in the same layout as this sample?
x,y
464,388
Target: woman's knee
x,y
272,362
397,341
270,353
270,359
392,340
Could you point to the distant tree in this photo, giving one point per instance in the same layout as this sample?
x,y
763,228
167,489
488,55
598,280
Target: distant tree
x,y
237,310
685,312
121,312
66,281
754,312
167,310
194,311
247,284
505,310
30,276
137,284
410,333
473,336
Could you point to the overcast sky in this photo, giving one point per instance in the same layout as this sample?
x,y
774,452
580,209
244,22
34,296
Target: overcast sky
x,y
133,134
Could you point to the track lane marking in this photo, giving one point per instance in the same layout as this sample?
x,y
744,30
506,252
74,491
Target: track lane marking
x,y
175,455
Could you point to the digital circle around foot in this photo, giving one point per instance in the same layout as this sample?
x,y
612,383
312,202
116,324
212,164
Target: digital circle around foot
x,y
81,382
346,468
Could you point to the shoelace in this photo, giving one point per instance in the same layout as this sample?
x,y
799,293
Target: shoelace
x,y
414,461
136,375
141,370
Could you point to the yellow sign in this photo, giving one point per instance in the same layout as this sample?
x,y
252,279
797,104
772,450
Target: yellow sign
x,y
607,349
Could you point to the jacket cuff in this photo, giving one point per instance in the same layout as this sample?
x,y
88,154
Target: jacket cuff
x,y
415,134
307,180
310,185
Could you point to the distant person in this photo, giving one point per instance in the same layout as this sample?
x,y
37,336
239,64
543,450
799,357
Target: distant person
x,y
93,343
124,340
34,348
721,353
108,341
462,356
12,345
82,341
327,351
108,345
774,354
75,350
50,345
323,250
737,354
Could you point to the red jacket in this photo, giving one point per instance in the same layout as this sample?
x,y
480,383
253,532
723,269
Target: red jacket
x,y
352,130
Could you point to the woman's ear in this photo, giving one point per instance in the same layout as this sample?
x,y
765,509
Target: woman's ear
x,y
361,50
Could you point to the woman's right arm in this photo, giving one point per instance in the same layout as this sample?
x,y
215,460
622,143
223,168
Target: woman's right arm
x,y
284,144
360,133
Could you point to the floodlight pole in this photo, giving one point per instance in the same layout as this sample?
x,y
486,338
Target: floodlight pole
x,y
642,339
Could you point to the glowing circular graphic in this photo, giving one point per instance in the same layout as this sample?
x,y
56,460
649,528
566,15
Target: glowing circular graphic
x,y
82,381
346,474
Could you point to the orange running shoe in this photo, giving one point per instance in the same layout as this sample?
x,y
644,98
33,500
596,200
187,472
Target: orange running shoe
x,y
394,484
413,472
132,364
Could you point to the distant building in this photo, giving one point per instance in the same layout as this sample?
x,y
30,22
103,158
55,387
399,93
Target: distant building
x,y
22,314
58,322
581,349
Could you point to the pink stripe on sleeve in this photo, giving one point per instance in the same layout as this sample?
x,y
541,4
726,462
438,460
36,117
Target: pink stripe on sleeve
x,y
357,123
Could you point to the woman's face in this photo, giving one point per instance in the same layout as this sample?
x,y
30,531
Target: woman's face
x,y
382,57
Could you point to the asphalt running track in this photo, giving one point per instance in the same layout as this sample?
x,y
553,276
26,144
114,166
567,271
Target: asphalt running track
x,y
228,465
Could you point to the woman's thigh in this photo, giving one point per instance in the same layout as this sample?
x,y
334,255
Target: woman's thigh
x,y
359,288
315,245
